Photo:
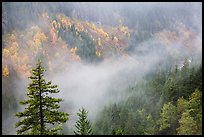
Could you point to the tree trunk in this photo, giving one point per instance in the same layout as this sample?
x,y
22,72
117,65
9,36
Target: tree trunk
x,y
41,113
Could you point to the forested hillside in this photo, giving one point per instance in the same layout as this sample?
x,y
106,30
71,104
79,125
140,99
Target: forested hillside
x,y
133,68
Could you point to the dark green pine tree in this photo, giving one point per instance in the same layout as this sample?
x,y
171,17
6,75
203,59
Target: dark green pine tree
x,y
83,125
41,117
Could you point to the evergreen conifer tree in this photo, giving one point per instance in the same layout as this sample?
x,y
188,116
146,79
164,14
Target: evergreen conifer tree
x,y
41,117
83,125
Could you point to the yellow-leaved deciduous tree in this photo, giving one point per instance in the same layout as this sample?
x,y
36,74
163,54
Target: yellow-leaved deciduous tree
x,y
53,35
6,71
99,41
6,53
98,53
73,50
115,40
107,39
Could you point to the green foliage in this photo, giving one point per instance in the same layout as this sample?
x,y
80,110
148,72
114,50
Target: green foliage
x,y
84,43
196,101
182,105
157,105
168,116
83,125
9,105
42,109
125,121
188,115
191,118
187,124
87,50
150,126
145,124
129,124
182,83
115,117
173,97
118,132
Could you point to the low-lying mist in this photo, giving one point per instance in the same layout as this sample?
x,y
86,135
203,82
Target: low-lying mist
x,y
93,86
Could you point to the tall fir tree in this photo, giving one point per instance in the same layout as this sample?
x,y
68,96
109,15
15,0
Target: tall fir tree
x,y
41,117
83,125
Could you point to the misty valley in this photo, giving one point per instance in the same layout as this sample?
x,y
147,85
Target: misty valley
x,y
101,68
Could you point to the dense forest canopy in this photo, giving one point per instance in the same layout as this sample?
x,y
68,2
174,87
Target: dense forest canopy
x,y
135,67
